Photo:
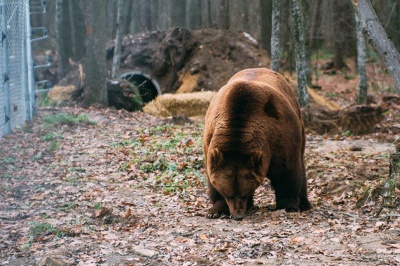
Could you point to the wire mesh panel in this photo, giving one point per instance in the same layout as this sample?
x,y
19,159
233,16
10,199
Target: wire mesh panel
x,y
2,96
13,94
15,38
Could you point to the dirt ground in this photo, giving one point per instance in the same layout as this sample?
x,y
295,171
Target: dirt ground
x,y
129,190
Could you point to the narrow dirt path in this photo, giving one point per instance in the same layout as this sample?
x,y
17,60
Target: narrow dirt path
x,y
129,190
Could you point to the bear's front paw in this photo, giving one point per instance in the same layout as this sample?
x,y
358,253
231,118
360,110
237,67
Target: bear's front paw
x,y
220,208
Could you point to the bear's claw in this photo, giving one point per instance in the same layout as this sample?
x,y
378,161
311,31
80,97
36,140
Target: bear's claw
x,y
217,214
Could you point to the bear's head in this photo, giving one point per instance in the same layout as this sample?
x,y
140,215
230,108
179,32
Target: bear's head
x,y
236,176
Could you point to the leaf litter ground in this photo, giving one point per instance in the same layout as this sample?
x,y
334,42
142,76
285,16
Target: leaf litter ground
x,y
117,188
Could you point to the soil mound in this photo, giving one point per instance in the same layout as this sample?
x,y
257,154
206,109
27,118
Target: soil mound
x,y
188,61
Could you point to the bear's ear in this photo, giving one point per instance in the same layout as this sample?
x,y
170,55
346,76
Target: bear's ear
x,y
216,157
259,161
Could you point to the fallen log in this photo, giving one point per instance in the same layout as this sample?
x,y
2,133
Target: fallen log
x,y
355,119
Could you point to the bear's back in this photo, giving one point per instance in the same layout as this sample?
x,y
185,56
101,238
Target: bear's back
x,y
255,93
253,102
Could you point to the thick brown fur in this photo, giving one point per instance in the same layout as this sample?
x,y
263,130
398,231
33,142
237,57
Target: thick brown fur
x,y
253,129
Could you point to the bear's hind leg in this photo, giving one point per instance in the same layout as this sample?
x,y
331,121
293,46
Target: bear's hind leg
x,y
290,187
305,204
287,194
289,204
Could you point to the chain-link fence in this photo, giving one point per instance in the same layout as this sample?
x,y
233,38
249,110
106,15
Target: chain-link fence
x,y
17,95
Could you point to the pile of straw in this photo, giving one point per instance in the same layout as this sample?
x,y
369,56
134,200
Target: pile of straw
x,y
180,104
62,93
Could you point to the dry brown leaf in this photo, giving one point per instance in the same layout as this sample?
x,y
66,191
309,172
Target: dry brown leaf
x,y
102,212
128,213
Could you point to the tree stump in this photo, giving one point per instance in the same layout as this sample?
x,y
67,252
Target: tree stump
x,y
389,192
123,95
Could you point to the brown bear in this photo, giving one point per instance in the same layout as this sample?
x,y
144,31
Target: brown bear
x,y
253,129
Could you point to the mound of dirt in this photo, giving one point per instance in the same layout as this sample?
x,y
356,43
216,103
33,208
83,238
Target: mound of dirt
x,y
188,61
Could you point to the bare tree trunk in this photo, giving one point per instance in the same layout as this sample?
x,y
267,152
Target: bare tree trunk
x,y
223,17
314,24
362,74
178,13
266,24
305,14
338,59
300,49
121,11
95,68
194,14
246,23
111,7
391,26
378,39
155,15
285,38
129,19
239,15
275,47
208,14
145,15
63,37
135,24
339,33
77,28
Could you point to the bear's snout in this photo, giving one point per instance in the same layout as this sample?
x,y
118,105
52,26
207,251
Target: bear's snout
x,y
237,208
238,217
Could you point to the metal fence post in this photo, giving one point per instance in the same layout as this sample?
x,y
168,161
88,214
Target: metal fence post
x,y
29,62
6,71
28,111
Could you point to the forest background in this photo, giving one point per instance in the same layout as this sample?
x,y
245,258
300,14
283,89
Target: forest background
x,y
329,26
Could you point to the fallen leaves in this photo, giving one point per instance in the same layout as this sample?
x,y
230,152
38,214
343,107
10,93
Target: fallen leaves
x,y
102,212
131,190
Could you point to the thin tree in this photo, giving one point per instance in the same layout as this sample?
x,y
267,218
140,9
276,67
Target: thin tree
x,y
315,15
263,14
121,14
95,68
63,36
77,29
300,50
178,13
194,14
339,33
275,46
223,14
378,39
145,15
362,74
304,6
208,14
